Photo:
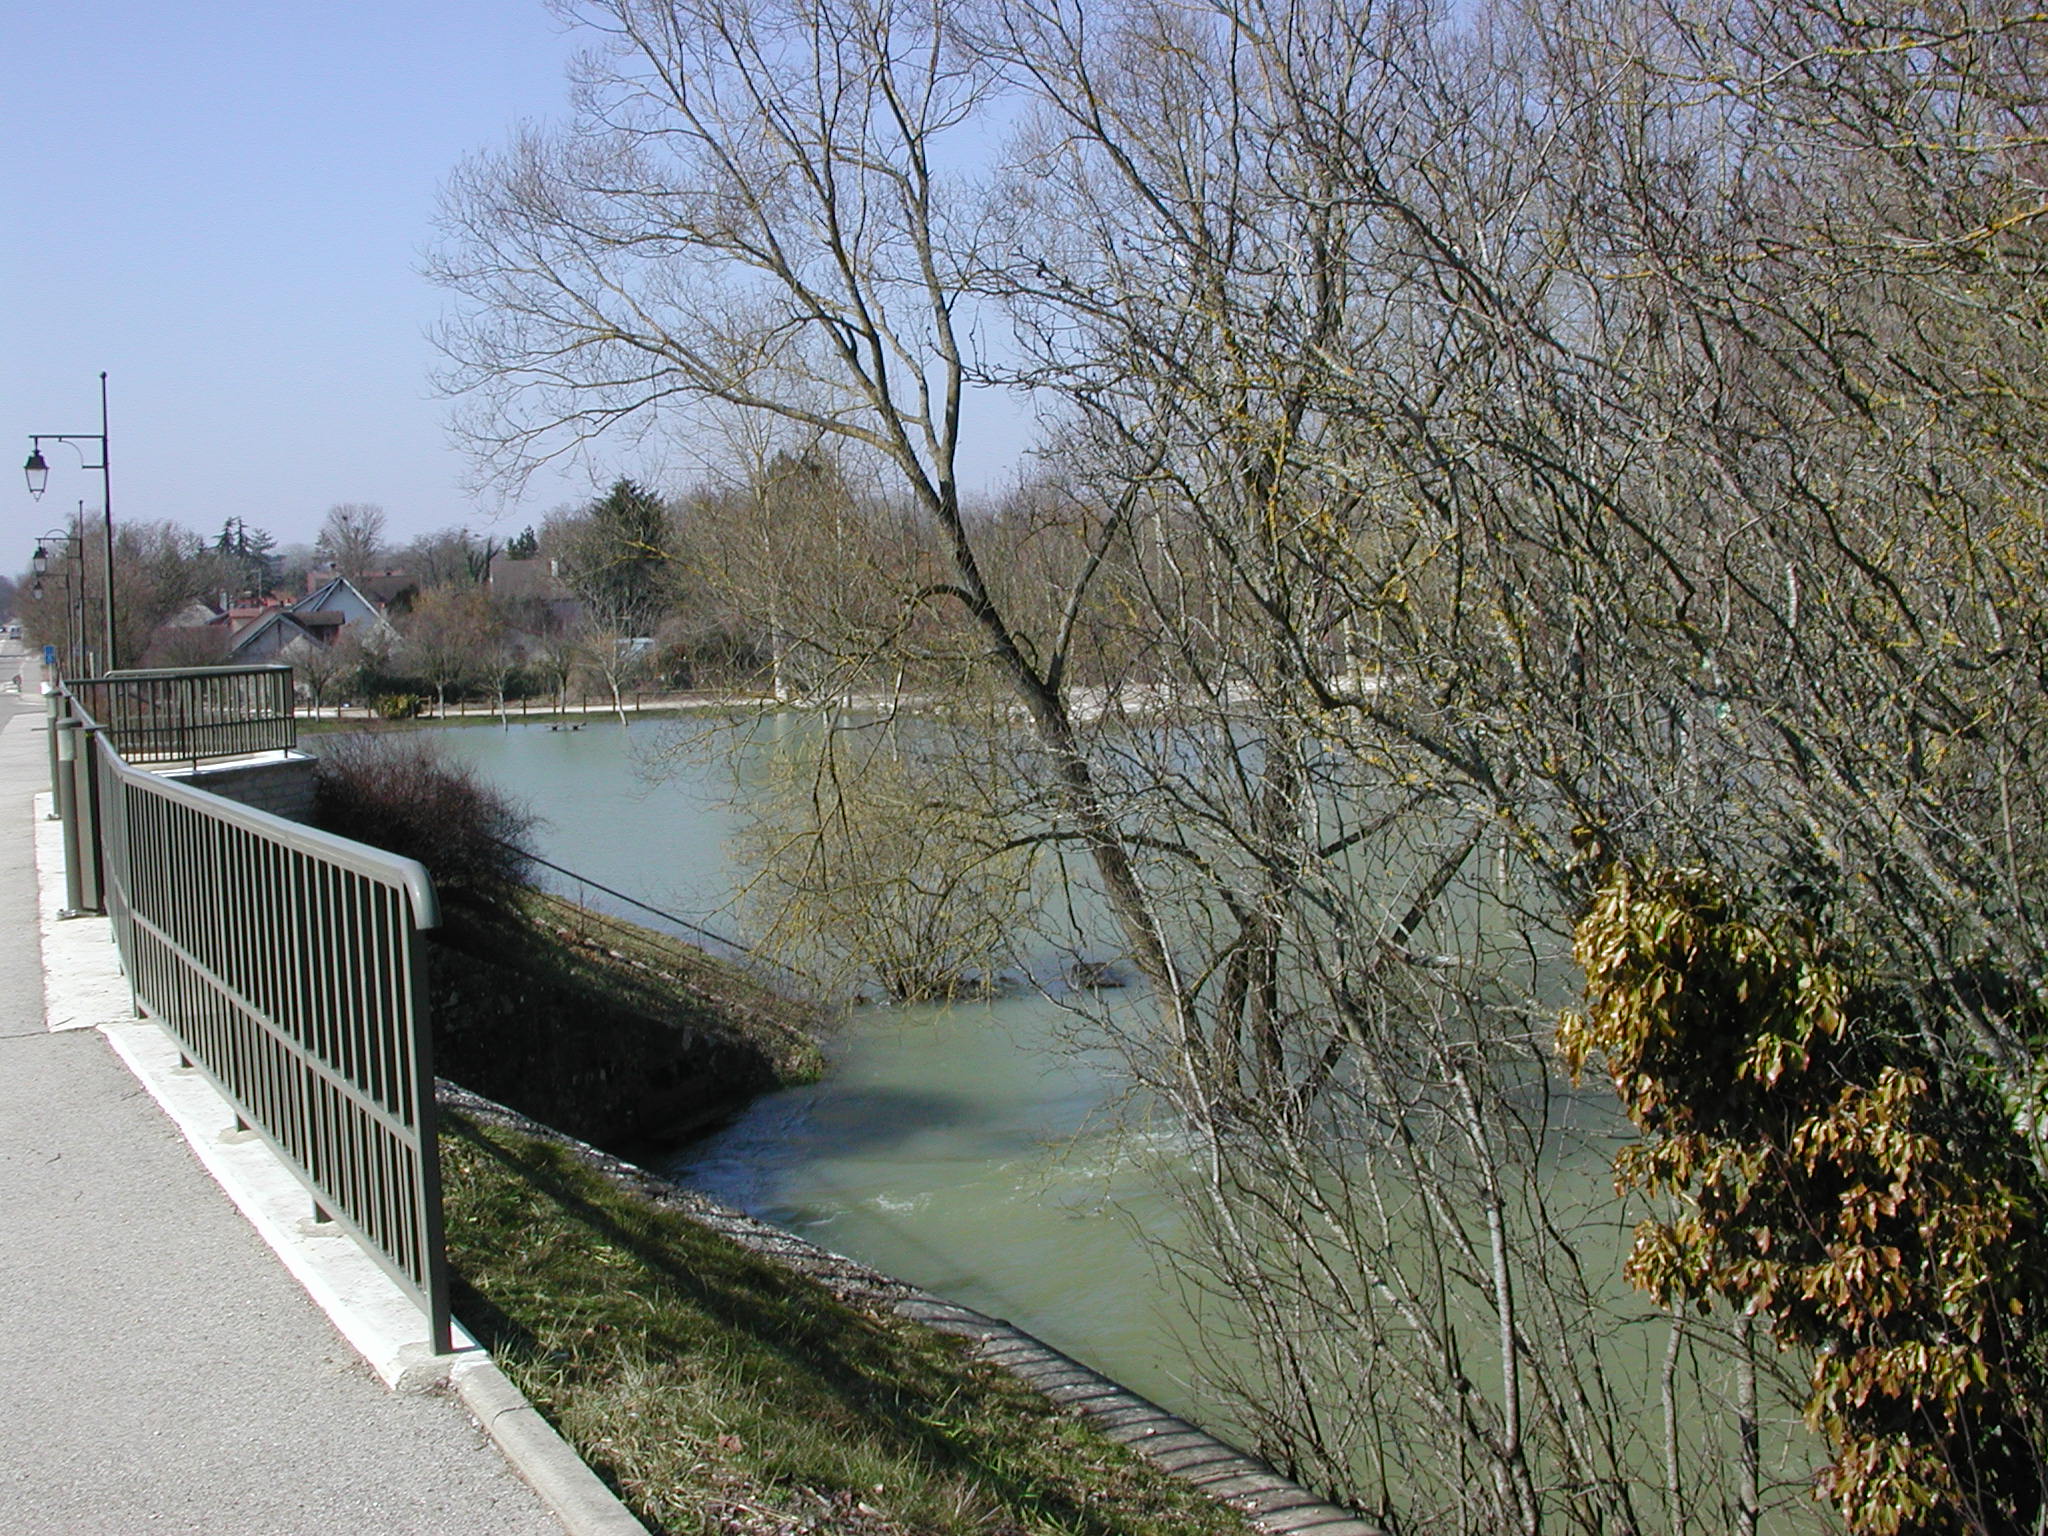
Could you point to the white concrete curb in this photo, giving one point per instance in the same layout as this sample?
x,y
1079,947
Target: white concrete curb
x,y
577,1495
83,988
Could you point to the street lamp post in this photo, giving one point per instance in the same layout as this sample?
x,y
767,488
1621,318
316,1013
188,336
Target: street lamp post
x,y
38,473
72,552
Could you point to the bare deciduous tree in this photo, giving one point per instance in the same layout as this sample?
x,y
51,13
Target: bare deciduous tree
x,y
448,637
324,671
864,865
450,556
352,536
1496,447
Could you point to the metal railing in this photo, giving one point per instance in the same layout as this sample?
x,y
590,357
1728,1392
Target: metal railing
x,y
289,966
169,716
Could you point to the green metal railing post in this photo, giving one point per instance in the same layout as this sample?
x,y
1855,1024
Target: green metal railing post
x,y
53,711
86,801
64,734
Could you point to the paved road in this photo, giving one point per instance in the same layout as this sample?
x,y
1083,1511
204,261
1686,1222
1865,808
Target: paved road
x,y
159,1370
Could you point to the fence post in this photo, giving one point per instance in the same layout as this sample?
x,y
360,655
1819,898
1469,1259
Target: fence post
x,y
92,873
65,735
433,1237
53,711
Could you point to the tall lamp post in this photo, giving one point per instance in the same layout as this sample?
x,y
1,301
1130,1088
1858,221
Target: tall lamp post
x,y
38,473
74,590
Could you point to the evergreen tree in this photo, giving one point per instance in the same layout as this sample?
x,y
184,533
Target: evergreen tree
x,y
248,557
619,561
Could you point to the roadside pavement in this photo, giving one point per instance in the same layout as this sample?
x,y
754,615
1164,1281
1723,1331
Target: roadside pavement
x,y
159,1369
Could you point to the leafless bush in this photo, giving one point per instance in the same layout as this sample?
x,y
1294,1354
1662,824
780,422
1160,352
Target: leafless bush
x,y
398,792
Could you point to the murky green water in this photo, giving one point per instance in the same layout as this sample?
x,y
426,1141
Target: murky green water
x,y
965,1149
976,1149
957,1149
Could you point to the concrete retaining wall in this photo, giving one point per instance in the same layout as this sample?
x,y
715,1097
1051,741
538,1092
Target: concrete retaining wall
x,y
281,785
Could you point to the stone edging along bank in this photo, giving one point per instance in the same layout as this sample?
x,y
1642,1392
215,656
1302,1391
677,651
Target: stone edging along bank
x,y
1272,1503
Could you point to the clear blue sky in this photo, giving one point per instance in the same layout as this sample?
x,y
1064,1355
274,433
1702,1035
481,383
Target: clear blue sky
x,y
222,203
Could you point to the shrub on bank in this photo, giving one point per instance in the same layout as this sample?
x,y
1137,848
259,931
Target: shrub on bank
x,y
397,792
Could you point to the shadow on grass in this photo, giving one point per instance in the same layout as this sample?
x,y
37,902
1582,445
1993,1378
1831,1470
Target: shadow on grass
x,y
641,1282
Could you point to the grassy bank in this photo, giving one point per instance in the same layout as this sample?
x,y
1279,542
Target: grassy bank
x,y
720,1393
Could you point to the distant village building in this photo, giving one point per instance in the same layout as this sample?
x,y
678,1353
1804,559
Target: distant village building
x,y
197,614
386,589
318,618
193,636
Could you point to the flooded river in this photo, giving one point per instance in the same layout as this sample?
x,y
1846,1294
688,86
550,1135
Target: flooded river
x,y
964,1148
980,1151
